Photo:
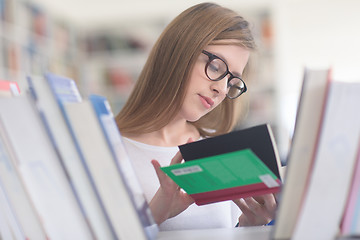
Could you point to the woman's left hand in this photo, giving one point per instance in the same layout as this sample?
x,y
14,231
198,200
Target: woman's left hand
x,y
256,210
169,200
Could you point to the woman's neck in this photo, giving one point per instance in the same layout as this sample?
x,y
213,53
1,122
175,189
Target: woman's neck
x,y
173,134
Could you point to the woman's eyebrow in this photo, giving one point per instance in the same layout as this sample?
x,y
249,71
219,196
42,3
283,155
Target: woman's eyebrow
x,y
235,73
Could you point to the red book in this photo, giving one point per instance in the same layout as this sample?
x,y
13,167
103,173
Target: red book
x,y
9,88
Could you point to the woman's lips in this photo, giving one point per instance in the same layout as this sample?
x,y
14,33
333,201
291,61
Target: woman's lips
x,y
207,102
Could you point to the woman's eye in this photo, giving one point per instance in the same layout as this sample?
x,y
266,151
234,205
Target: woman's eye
x,y
213,67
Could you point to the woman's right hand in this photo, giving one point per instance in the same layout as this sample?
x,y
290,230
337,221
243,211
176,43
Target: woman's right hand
x,y
256,211
169,200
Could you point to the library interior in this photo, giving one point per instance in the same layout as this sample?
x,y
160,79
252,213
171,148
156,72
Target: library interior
x,y
102,46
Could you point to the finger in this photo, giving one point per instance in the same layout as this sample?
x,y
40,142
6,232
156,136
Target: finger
x,y
243,207
247,217
237,202
261,210
188,199
254,206
260,199
177,158
267,197
270,202
160,174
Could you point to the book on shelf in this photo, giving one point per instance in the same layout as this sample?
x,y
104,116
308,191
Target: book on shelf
x,y
41,171
49,93
10,227
107,122
15,192
334,160
103,168
65,92
9,88
242,163
350,224
309,116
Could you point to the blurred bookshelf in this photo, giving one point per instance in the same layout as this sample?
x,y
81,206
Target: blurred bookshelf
x,y
32,42
114,56
107,60
261,100
261,80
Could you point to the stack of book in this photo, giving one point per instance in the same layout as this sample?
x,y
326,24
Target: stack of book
x,y
64,173
320,197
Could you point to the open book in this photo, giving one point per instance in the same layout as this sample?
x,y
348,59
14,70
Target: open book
x,y
239,164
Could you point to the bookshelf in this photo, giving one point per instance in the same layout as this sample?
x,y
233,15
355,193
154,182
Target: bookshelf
x,y
32,42
114,56
262,82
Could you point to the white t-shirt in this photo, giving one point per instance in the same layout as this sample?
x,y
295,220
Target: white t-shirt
x,y
216,215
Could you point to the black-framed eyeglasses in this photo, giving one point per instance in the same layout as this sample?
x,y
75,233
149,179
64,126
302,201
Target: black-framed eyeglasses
x,y
216,69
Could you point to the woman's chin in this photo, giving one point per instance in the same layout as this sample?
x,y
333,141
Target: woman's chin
x,y
194,118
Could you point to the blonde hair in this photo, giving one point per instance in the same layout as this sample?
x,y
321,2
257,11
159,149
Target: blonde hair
x,y
160,89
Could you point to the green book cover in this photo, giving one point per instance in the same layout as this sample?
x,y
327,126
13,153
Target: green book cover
x,y
232,169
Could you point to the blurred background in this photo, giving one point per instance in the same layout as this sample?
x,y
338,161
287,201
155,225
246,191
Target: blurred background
x,y
103,45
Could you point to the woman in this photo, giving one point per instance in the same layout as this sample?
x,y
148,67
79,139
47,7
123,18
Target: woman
x,y
188,90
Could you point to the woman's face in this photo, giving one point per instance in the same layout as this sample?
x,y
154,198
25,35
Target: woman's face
x,y
203,95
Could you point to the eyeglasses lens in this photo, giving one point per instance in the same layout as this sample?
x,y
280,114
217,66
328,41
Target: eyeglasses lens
x,y
236,88
216,69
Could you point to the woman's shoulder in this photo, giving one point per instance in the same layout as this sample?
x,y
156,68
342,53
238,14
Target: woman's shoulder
x,y
142,152
131,143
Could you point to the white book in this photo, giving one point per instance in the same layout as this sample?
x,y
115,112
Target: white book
x,y
335,158
9,224
112,134
350,224
104,170
299,164
5,231
49,93
16,192
41,170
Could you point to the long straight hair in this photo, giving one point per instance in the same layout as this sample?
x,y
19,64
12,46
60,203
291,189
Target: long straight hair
x,y
160,89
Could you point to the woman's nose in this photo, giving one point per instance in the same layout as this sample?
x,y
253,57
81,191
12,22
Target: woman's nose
x,y
221,86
